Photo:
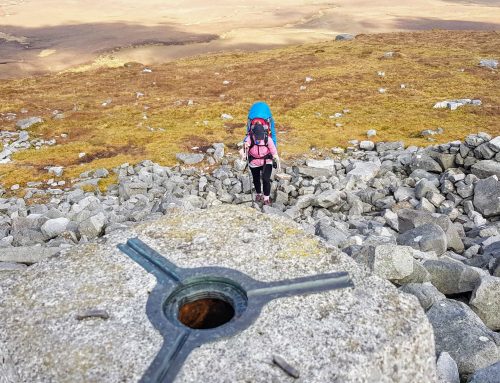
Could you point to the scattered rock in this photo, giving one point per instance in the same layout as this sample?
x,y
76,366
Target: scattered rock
x,y
485,301
190,158
488,63
344,37
27,123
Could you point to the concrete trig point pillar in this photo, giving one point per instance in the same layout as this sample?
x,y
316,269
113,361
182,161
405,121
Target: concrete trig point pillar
x,y
192,306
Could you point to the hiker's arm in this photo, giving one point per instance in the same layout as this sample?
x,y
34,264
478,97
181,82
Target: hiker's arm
x,y
246,141
272,147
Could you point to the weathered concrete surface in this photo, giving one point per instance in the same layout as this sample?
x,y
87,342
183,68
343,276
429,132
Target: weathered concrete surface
x,y
366,334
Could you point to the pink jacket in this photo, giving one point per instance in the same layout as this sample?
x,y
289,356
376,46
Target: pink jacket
x,y
261,151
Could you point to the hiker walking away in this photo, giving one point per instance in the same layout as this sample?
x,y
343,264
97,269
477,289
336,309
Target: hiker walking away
x,y
262,155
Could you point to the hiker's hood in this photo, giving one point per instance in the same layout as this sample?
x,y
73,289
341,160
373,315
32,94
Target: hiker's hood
x,y
259,110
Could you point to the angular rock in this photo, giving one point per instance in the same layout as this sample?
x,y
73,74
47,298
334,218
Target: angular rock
x,y
427,237
459,332
321,164
424,186
447,369
364,171
418,275
488,374
27,123
485,301
495,144
484,151
127,189
390,262
344,37
93,226
313,172
409,219
38,310
487,196
451,276
486,168
491,64
28,254
53,227
425,162
366,145
327,198
445,160
426,293
331,234
190,158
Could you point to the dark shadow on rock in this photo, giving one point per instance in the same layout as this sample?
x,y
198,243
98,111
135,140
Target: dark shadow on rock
x,y
426,23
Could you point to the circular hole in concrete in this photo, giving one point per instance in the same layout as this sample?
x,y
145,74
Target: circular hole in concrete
x,y
206,313
205,303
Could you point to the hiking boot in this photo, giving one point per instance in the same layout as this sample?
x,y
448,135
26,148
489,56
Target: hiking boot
x,y
267,202
259,198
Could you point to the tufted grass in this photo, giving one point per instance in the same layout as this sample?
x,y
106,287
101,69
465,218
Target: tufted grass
x,y
435,66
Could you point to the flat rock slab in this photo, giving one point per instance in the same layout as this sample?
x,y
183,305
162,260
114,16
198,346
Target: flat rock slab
x,y
363,334
27,254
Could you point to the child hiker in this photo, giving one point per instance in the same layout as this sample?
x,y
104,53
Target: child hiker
x,y
262,155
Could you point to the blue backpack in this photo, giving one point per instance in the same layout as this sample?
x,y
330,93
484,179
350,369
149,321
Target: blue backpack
x,y
261,113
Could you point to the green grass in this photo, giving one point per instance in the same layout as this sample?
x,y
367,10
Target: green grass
x,y
435,66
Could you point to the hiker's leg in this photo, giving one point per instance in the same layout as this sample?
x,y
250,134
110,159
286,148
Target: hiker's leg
x,y
266,179
256,179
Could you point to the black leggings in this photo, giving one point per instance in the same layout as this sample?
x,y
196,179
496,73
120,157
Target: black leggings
x,y
266,178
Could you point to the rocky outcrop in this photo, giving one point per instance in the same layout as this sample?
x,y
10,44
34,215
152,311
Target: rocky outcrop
x,y
48,338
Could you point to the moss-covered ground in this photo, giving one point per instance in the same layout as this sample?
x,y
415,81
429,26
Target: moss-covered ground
x,y
434,66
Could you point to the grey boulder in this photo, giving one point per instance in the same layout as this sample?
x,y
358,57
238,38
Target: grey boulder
x,y
486,168
53,227
487,196
27,254
490,374
428,237
391,262
447,369
364,171
331,234
460,332
426,293
485,301
93,226
424,162
451,276
327,198
409,219
344,37
27,123
190,158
